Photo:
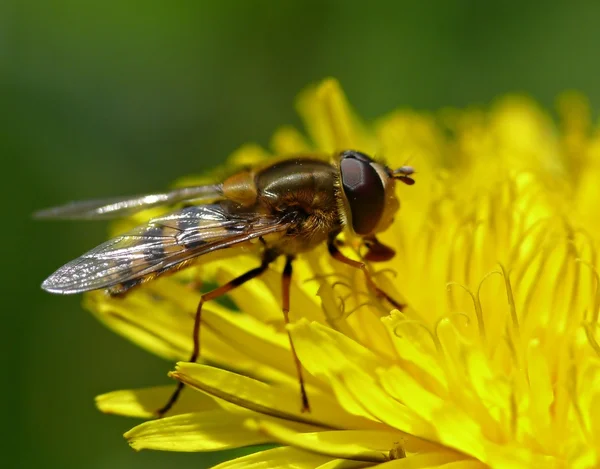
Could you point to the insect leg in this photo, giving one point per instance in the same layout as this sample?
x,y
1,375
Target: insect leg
x,y
337,255
286,280
268,257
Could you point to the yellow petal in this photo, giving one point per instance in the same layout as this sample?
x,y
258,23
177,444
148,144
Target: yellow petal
x,y
329,299
211,430
302,305
541,385
146,323
403,387
380,404
414,345
408,137
430,407
467,464
145,402
594,409
260,342
347,304
284,458
328,352
288,141
329,119
457,431
159,317
254,298
248,155
277,401
343,464
334,444
262,298
425,461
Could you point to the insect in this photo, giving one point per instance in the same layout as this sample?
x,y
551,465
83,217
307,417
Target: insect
x,y
290,206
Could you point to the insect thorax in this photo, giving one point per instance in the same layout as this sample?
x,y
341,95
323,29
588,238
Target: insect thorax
x,y
306,189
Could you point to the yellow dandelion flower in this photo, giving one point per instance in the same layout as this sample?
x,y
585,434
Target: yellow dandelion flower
x,y
494,363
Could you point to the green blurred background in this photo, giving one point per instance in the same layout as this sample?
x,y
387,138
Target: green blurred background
x,y
115,97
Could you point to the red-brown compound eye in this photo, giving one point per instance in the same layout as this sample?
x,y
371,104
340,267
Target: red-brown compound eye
x,y
363,189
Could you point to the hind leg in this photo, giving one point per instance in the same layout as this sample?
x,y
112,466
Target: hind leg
x,y
268,258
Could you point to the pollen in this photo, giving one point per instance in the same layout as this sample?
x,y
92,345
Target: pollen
x,y
495,361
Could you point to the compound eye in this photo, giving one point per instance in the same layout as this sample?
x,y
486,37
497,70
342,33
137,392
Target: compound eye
x,y
357,155
364,191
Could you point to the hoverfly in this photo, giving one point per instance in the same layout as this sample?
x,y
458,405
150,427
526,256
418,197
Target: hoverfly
x,y
290,206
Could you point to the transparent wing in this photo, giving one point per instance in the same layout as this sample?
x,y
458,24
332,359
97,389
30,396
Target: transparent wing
x,y
161,245
123,206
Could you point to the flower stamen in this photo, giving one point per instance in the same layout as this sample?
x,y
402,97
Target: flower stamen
x,y
476,305
511,300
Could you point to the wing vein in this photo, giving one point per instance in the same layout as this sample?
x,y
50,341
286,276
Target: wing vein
x,y
141,251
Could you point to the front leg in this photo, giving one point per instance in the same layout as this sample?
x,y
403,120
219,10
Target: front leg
x,y
337,255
